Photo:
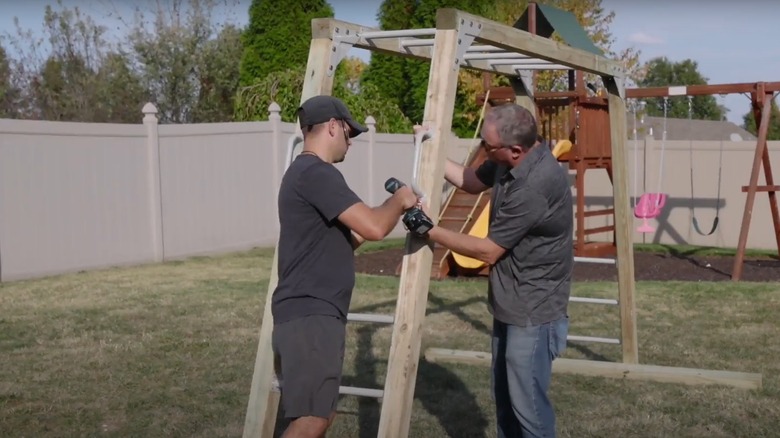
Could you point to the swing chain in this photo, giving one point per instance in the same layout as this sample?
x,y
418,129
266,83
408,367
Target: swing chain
x,y
720,169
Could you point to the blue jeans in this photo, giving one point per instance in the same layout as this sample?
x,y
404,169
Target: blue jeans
x,y
522,367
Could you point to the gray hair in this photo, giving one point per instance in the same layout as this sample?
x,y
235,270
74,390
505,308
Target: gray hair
x,y
514,124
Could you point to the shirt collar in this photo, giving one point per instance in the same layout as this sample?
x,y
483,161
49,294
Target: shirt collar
x,y
524,168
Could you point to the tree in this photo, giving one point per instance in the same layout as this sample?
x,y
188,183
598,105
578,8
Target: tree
x,y
82,78
218,70
749,122
661,72
9,93
278,36
284,88
189,74
405,81
388,73
276,50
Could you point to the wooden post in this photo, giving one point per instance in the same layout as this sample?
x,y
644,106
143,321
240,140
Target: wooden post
x,y
761,110
415,272
623,231
263,401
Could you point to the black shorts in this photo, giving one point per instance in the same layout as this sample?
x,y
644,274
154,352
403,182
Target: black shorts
x,y
311,355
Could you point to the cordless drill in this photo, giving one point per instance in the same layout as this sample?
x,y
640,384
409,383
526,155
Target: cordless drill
x,y
415,220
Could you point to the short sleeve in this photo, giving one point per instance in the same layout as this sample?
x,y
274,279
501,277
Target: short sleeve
x,y
324,187
486,172
521,210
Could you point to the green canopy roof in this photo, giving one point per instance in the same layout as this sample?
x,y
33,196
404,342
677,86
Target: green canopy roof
x,y
550,19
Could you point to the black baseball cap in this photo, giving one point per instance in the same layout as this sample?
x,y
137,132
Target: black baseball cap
x,y
320,109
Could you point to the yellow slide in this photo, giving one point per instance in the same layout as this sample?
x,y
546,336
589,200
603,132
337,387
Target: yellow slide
x,y
480,227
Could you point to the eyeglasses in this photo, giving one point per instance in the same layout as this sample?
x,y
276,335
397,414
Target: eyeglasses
x,y
487,146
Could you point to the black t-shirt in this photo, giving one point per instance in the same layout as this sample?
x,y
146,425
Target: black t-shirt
x,y
315,254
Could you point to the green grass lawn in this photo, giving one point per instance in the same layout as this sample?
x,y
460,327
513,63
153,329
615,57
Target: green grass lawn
x,y
169,349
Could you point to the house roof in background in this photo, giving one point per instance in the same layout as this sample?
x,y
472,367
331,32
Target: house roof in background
x,y
684,129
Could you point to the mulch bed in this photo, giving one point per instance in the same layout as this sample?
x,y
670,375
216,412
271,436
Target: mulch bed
x,y
647,267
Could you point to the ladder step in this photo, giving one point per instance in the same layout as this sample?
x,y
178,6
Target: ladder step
x,y
602,260
600,230
361,392
593,213
368,317
344,390
454,219
593,339
593,300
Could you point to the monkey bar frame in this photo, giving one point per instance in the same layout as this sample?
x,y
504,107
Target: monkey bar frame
x,y
455,35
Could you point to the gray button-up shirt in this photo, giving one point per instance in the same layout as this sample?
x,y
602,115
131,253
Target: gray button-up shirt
x,y
532,218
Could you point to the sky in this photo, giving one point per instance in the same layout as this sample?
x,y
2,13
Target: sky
x,y
731,41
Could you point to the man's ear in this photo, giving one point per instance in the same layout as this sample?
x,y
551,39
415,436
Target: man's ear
x,y
517,151
333,127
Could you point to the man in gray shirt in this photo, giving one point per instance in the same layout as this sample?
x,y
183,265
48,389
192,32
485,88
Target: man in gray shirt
x,y
530,252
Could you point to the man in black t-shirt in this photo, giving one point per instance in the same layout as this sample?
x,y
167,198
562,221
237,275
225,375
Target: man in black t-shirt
x,y
321,222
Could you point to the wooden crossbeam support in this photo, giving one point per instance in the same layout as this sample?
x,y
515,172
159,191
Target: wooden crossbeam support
x,y
534,46
745,189
415,272
762,100
263,404
505,93
654,373
700,90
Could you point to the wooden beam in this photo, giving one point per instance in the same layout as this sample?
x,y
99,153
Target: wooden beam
x,y
415,272
700,90
520,41
512,40
505,93
653,373
263,404
623,221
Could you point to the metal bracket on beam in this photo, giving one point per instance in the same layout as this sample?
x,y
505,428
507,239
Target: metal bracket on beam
x,y
467,31
342,42
525,80
619,82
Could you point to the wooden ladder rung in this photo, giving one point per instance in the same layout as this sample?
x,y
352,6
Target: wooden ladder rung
x,y
343,390
455,219
361,392
593,213
606,229
368,317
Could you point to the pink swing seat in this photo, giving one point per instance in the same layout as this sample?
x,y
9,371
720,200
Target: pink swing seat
x,y
648,207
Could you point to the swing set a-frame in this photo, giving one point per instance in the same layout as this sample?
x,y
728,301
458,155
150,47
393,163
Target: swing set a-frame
x,y
461,40
761,96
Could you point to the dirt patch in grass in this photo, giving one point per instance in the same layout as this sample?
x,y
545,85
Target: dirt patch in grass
x,y
671,266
